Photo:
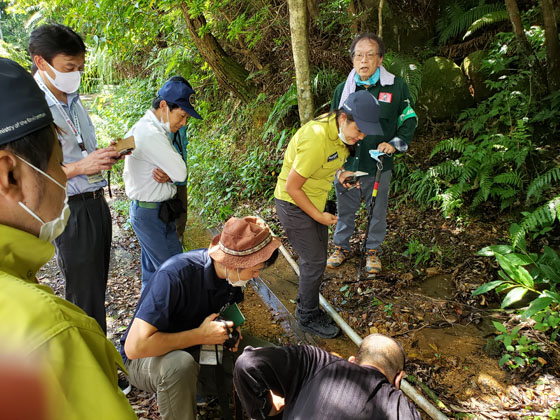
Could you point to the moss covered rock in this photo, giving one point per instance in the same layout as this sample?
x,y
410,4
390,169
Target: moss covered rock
x,y
445,90
472,67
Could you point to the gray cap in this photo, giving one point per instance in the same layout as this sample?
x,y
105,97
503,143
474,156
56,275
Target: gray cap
x,y
23,108
365,111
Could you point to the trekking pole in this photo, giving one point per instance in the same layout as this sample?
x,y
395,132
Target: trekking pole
x,y
370,210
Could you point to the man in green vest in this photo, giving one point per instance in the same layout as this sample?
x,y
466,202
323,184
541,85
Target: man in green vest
x,y
398,121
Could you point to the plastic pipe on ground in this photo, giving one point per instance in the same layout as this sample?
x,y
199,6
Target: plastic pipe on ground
x,y
408,389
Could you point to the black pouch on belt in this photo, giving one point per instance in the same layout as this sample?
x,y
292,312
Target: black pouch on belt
x,y
171,209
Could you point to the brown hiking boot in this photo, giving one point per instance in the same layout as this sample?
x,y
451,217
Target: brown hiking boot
x,y
373,263
337,257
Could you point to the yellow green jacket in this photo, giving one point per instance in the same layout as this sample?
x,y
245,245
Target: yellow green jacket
x,y
315,152
75,361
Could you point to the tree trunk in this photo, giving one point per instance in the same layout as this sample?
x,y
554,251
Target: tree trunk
x,y
300,50
527,53
380,18
313,9
352,12
552,44
230,74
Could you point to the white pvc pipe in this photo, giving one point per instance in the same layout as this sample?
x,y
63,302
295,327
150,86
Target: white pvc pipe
x,y
408,389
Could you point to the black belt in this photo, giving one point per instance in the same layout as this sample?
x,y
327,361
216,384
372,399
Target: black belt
x,y
92,195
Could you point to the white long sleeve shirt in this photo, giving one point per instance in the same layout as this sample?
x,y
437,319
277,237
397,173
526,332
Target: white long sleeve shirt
x,y
153,150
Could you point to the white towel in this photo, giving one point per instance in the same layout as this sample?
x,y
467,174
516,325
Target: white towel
x,y
385,78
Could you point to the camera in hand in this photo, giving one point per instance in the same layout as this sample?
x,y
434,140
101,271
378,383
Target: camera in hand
x,y
351,180
232,333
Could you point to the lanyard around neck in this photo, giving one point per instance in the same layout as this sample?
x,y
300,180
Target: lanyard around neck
x,y
75,128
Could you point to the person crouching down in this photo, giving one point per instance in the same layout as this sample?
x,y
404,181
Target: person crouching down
x,y
177,311
305,382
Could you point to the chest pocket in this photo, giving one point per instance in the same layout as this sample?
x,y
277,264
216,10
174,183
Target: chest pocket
x,y
333,161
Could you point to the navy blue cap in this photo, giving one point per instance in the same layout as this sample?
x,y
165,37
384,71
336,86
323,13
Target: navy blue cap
x,y
365,111
23,108
181,94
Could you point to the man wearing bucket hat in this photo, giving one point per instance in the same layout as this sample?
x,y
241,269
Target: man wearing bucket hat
x,y
150,172
313,156
177,311
73,364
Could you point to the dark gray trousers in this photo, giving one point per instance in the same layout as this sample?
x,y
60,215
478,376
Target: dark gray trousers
x,y
348,203
310,239
83,254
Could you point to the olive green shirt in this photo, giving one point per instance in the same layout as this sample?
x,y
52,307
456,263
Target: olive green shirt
x,y
315,152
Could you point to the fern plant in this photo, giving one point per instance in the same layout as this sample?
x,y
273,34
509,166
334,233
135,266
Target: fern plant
x,y
407,68
538,220
457,19
542,183
488,19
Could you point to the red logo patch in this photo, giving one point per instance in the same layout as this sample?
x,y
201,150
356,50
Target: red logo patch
x,y
385,97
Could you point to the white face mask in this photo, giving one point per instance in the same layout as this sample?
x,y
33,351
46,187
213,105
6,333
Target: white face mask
x,y
65,82
166,126
50,230
239,282
341,135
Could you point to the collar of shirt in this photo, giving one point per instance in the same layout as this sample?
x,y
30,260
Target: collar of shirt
x,y
15,255
332,130
211,278
150,114
71,98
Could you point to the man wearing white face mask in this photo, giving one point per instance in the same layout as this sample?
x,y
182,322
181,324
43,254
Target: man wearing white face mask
x,y
73,366
177,310
151,171
83,250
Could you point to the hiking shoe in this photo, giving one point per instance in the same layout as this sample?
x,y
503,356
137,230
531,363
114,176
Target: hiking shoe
x,y
373,263
124,385
337,257
319,326
320,313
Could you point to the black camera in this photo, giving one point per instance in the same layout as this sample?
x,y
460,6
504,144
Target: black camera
x,y
351,180
232,333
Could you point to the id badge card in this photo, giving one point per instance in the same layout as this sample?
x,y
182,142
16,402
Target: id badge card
x,y
95,178
211,355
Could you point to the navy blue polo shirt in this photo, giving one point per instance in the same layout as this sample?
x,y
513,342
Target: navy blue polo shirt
x,y
183,291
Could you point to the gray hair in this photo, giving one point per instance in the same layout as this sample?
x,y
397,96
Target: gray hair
x,y
372,37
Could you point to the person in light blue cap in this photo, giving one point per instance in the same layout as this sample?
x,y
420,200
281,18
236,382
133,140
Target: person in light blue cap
x,y
151,171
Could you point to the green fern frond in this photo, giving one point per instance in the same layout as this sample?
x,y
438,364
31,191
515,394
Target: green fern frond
x,y
503,193
281,108
543,182
487,20
448,170
408,68
484,182
542,216
510,178
469,171
478,199
460,22
454,144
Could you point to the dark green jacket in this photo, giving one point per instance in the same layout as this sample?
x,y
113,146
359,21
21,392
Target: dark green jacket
x,y
400,99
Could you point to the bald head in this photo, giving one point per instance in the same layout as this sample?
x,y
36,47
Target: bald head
x,y
385,353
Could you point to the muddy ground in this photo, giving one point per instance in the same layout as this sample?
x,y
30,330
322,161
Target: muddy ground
x,y
427,306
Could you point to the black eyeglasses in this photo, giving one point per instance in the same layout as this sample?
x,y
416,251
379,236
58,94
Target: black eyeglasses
x,y
369,55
